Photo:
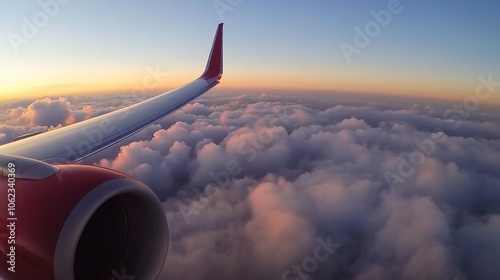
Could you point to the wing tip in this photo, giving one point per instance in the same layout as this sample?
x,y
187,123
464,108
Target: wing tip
x,y
214,68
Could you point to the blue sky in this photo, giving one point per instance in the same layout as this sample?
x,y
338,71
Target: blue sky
x,y
429,47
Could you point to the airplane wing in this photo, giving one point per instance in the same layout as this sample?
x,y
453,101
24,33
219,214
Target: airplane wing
x,y
78,141
81,208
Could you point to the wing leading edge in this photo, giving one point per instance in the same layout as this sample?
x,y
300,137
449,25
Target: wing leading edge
x,y
78,141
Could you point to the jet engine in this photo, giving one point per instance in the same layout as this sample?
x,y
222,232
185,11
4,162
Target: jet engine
x,y
77,222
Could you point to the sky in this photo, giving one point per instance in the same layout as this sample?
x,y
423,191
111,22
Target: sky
x,y
419,48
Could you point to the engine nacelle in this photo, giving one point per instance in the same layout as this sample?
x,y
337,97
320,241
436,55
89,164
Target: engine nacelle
x,y
73,222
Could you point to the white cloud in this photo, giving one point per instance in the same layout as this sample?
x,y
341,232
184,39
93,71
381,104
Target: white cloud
x,y
265,175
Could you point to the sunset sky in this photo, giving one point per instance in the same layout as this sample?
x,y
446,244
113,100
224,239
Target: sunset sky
x,y
427,48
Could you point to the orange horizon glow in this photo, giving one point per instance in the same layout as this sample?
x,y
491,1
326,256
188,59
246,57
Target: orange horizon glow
x,y
134,81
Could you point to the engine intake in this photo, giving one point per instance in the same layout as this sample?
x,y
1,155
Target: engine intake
x,y
83,222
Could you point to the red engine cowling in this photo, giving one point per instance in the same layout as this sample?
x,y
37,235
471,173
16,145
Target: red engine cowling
x,y
72,222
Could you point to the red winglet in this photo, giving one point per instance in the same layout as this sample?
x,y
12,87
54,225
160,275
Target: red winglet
x,y
214,64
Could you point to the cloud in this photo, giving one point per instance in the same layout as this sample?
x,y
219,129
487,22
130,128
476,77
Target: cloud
x,y
48,113
250,183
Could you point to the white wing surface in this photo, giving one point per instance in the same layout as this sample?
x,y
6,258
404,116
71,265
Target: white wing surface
x,y
78,141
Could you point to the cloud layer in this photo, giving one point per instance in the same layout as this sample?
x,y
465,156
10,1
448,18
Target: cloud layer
x,y
252,181
312,187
